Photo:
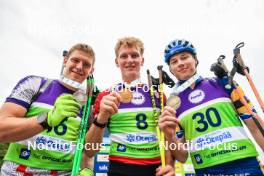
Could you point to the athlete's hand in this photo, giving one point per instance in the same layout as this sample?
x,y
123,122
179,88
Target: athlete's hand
x,y
218,70
108,106
239,68
168,122
65,106
168,170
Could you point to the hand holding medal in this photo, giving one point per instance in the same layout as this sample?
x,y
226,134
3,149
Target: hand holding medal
x,y
174,101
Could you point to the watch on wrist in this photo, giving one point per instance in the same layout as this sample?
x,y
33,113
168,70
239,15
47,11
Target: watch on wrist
x,y
42,120
100,125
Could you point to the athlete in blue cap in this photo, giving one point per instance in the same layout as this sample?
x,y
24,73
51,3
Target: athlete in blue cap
x,y
218,143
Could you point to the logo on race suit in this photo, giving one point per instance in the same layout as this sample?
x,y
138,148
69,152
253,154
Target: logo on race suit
x,y
198,159
51,144
121,148
24,153
102,158
141,138
138,98
196,96
101,167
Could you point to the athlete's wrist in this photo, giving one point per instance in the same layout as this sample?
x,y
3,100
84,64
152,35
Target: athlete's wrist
x,y
101,118
170,137
42,120
98,124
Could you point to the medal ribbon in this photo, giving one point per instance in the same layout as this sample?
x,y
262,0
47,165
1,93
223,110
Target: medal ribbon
x,y
71,83
180,88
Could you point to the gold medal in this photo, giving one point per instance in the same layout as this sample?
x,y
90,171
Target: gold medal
x,y
174,101
126,96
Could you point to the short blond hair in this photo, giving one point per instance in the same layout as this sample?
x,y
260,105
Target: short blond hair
x,y
129,42
84,48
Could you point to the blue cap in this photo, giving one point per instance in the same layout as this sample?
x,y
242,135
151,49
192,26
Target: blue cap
x,y
177,46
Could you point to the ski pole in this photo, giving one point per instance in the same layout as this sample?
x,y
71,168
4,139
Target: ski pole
x,y
152,95
161,144
83,128
240,61
64,54
223,66
255,116
162,137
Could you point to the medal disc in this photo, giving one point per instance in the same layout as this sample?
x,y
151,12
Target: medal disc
x,y
126,96
174,101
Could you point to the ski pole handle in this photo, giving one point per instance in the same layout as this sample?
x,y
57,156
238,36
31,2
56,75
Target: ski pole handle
x,y
240,61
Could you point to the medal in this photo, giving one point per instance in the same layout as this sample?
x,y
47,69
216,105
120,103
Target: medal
x,y
125,93
174,101
126,96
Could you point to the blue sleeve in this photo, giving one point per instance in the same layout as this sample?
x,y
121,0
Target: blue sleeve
x,y
224,83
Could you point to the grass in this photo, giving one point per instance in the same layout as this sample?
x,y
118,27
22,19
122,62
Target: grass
x,y
3,149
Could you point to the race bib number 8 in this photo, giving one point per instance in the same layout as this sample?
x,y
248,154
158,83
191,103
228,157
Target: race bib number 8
x,y
141,121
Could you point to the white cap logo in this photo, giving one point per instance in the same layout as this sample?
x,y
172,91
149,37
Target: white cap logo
x,y
196,96
138,98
